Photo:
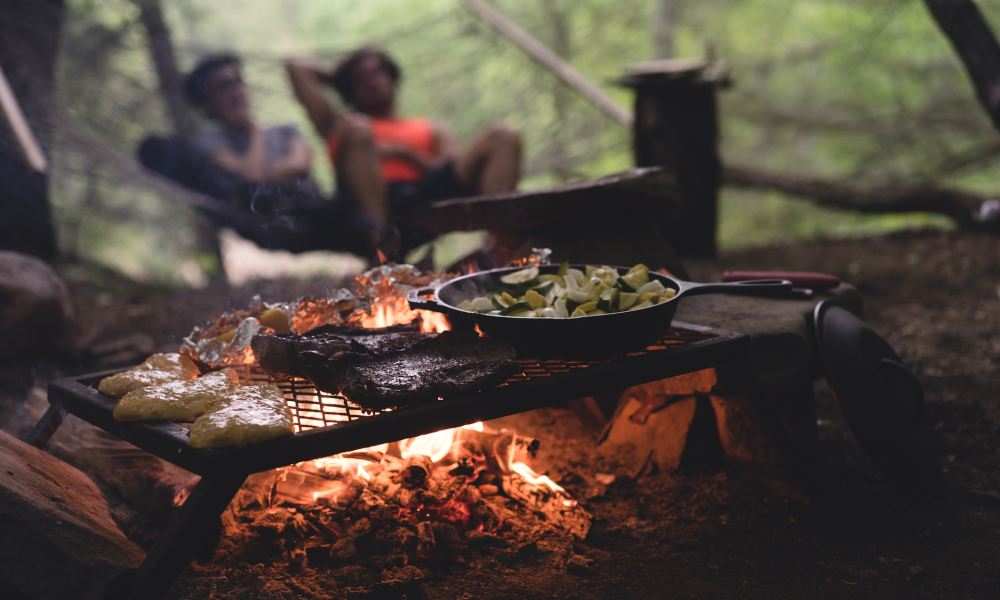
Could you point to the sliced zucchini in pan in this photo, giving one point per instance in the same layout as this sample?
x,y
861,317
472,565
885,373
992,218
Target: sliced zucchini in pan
x,y
514,309
534,299
520,277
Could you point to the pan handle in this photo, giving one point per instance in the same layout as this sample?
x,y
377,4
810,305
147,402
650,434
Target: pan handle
x,y
415,298
756,287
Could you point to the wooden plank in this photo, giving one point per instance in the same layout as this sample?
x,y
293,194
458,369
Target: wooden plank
x,y
645,191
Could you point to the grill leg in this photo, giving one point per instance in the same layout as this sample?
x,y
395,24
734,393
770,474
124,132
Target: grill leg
x,y
46,426
185,532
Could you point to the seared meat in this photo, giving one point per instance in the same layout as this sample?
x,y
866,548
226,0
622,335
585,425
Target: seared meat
x,y
444,364
380,369
292,354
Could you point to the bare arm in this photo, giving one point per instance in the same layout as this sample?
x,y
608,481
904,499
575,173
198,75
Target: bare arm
x,y
249,165
295,164
307,77
443,150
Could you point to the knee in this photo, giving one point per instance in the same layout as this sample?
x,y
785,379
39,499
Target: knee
x,y
503,135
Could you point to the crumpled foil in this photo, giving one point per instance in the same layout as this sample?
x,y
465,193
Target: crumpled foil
x,y
225,340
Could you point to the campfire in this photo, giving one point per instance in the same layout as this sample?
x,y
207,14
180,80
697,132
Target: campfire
x,y
418,501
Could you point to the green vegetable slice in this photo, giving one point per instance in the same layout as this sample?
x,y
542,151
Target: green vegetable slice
x,y
627,300
520,277
544,287
517,307
608,300
535,299
635,279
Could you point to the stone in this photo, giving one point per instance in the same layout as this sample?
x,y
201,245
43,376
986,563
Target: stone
x,y
59,540
35,308
659,421
742,433
781,350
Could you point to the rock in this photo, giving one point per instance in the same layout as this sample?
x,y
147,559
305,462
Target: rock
x,y
781,345
742,434
664,422
35,308
59,540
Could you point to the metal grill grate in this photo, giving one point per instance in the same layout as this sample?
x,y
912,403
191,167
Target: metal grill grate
x,y
312,408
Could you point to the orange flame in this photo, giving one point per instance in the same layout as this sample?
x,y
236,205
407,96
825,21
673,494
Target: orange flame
x,y
391,308
529,475
382,258
437,446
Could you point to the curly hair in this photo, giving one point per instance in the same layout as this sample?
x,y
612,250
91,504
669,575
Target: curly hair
x,y
340,79
196,82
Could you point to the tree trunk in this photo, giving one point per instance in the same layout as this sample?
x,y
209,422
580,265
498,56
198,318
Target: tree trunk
x,y
676,127
663,33
557,17
29,40
976,46
161,51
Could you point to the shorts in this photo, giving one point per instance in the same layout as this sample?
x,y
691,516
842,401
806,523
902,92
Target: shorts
x,y
440,183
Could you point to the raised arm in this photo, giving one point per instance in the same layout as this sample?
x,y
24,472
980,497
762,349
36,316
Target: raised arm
x,y
308,77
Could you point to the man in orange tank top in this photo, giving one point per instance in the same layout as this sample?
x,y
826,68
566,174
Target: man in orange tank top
x,y
395,162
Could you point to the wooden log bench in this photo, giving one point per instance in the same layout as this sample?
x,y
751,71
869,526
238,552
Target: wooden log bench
x,y
59,540
614,219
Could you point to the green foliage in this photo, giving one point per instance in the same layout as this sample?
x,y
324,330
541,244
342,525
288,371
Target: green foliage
x,y
862,90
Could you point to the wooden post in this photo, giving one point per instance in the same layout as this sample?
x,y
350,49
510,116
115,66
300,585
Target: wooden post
x,y
676,127
29,40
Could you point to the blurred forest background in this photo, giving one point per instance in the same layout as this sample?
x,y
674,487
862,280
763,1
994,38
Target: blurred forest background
x,y
861,91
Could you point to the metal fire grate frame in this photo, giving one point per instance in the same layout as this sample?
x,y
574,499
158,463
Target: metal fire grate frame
x,y
341,426
313,409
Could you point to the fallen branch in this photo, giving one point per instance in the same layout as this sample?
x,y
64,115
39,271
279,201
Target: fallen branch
x,y
959,205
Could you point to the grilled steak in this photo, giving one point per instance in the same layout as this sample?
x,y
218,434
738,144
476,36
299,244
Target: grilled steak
x,y
292,354
444,364
389,369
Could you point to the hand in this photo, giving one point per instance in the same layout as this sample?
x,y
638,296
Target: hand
x,y
394,150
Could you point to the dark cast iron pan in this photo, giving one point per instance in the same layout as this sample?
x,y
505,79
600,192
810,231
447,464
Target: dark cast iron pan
x,y
580,336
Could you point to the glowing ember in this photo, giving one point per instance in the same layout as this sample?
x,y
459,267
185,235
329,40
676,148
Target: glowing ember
x,y
530,476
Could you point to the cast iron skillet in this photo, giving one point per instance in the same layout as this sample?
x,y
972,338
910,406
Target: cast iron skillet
x,y
590,335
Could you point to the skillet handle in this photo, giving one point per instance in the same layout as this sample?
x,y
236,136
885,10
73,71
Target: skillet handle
x,y
415,300
756,287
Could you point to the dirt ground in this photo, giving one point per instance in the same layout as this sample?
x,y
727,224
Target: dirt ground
x,y
729,534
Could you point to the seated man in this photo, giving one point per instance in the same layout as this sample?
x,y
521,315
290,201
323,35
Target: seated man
x,y
390,163
260,173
